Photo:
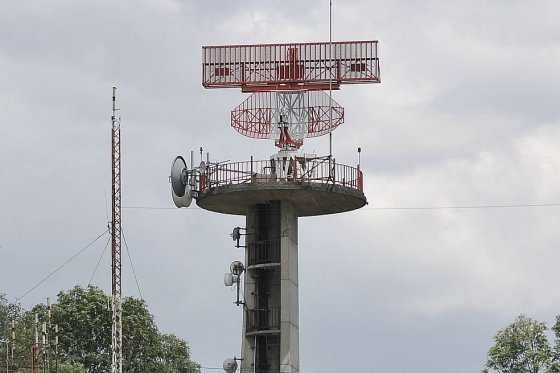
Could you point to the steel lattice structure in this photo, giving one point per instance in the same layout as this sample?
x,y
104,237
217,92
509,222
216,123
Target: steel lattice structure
x,y
265,67
288,83
116,235
308,113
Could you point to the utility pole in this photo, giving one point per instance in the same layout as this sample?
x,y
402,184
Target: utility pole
x,y
116,307
7,354
13,338
45,350
56,347
35,348
46,341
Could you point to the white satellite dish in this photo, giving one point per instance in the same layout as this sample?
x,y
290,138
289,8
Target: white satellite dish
x,y
181,191
228,279
185,200
236,268
230,365
179,176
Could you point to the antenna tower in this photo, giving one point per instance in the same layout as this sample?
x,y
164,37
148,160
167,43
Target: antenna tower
x,y
116,305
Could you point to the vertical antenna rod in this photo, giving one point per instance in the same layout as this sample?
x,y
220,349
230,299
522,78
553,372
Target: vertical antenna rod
x,y
13,337
35,348
330,83
116,307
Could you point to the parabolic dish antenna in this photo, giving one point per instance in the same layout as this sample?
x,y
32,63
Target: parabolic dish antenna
x,y
229,279
230,365
179,176
180,189
185,200
236,268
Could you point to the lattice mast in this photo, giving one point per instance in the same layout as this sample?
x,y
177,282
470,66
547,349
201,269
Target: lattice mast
x,y
116,293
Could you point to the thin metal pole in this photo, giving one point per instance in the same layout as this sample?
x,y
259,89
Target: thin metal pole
x,y
13,338
56,347
36,329
48,342
34,358
330,79
7,342
44,344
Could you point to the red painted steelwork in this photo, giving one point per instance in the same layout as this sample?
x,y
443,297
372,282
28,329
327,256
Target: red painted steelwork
x,y
298,170
255,117
267,67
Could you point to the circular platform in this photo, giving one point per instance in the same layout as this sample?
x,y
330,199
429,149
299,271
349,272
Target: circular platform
x,y
308,198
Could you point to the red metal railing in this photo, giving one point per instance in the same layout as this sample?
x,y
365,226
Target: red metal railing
x,y
299,169
267,67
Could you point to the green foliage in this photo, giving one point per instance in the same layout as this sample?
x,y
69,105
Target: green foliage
x,y
84,321
14,312
521,347
83,317
70,367
555,367
8,312
175,355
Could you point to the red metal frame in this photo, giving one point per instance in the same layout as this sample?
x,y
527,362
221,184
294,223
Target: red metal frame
x,y
254,116
300,169
312,66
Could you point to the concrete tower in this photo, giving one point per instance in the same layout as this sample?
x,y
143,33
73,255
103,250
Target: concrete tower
x,y
288,104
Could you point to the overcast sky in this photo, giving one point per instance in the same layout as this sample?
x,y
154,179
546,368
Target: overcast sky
x,y
467,115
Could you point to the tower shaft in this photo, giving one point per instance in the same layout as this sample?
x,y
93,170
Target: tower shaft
x,y
116,235
271,319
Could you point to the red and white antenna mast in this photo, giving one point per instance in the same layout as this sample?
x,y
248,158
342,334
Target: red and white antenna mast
x,y
116,305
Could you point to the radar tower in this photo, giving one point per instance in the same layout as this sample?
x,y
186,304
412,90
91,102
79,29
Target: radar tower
x,y
287,104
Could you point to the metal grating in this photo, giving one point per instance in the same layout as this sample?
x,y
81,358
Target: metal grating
x,y
265,67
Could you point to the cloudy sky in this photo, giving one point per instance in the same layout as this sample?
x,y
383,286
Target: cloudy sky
x,y
467,115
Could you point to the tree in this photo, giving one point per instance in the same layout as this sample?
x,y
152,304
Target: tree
x,y
8,312
175,354
13,312
84,319
521,347
555,367
70,367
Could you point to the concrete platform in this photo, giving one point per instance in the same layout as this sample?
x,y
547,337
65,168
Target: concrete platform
x,y
308,198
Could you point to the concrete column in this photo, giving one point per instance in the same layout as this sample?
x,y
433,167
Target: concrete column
x,y
289,314
277,283
248,342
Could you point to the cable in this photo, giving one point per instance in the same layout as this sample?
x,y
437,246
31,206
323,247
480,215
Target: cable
x,y
56,270
99,261
156,208
515,205
106,206
132,265
250,370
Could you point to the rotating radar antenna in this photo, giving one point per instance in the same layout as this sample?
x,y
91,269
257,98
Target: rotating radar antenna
x,y
287,82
